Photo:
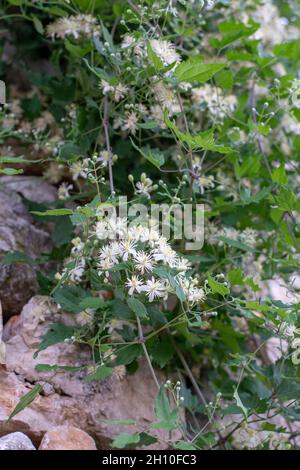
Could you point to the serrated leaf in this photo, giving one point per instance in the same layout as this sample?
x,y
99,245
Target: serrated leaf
x,y
137,307
217,287
124,440
70,298
183,445
101,373
57,333
92,302
194,69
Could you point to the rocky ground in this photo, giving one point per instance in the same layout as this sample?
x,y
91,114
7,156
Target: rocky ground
x,y
69,413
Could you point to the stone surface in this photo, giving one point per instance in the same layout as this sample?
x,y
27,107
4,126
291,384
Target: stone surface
x,y
33,188
19,232
16,441
68,398
2,344
67,438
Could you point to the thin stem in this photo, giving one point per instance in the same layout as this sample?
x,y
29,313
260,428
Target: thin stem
x,y
108,147
286,217
189,373
142,342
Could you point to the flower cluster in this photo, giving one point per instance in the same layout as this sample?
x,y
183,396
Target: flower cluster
x,y
144,250
75,26
219,105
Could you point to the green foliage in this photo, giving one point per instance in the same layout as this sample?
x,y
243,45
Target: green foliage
x,y
199,105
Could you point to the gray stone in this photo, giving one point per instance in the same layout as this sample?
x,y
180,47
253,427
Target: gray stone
x,y
19,232
16,441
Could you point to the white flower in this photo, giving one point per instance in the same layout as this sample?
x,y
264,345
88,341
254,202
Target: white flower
x,y
85,25
127,248
78,246
64,191
166,98
106,87
165,253
108,252
165,51
155,289
127,41
134,284
219,105
75,275
131,123
143,261
182,265
101,230
85,317
117,227
104,265
120,92
145,186
79,170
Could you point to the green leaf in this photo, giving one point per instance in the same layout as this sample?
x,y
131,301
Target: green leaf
x,y
54,212
38,25
56,368
57,333
237,244
17,257
236,277
10,171
124,440
9,159
154,57
125,422
224,79
194,69
137,307
127,354
167,418
233,31
217,287
69,151
279,175
182,445
162,352
286,200
154,156
93,302
26,400
240,404
101,373
70,298
203,140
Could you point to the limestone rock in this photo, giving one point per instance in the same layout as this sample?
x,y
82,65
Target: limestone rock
x,y
33,188
19,232
70,400
67,438
16,441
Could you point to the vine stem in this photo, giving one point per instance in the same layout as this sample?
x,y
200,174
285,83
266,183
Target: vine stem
x,y
108,147
189,373
287,215
142,342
